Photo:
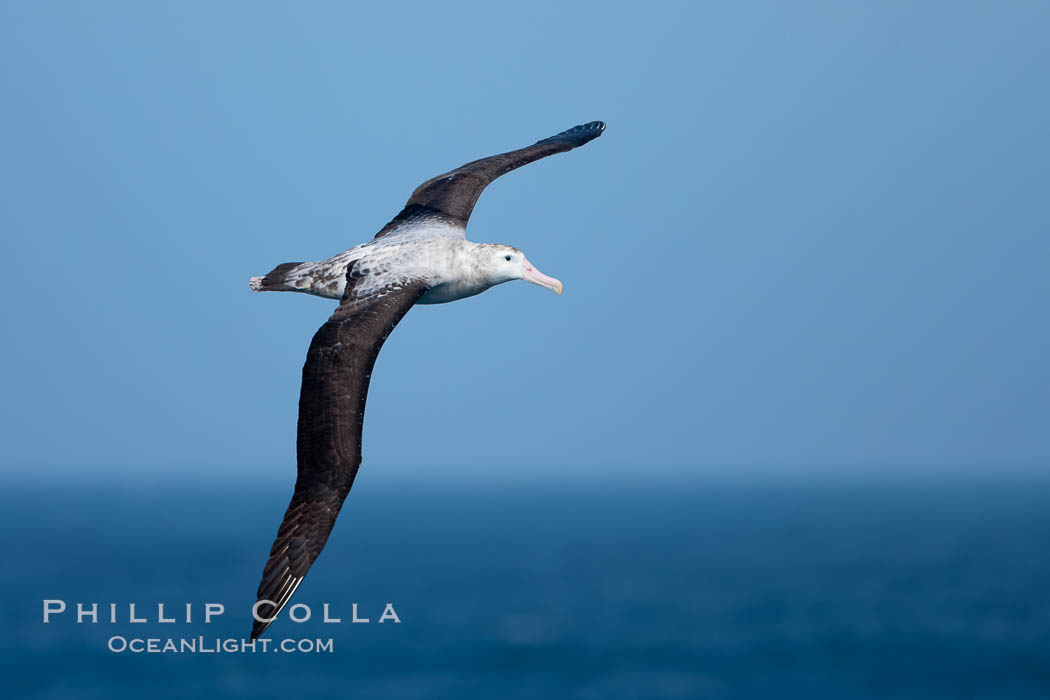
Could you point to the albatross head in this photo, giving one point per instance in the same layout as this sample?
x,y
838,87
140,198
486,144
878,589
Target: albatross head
x,y
502,263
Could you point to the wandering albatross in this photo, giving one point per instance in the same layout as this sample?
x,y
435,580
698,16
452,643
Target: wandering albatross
x,y
421,257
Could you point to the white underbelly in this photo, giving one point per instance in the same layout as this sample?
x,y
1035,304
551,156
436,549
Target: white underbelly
x,y
450,291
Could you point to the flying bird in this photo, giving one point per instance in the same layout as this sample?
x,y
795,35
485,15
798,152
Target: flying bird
x,y
421,257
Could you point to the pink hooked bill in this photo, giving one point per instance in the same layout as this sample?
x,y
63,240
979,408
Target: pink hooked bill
x,y
531,274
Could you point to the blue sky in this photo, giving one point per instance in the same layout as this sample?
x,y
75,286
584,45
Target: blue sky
x,y
814,236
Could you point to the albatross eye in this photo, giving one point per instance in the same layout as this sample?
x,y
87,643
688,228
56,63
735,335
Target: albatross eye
x,y
507,258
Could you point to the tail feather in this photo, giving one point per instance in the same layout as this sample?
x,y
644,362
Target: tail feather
x,y
276,280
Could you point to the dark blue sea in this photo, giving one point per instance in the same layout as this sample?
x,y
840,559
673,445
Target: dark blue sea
x,y
815,588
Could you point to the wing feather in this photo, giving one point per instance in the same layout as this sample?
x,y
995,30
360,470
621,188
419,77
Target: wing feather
x,y
336,375
450,198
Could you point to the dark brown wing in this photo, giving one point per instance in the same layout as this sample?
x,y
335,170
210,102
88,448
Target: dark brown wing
x,y
451,197
331,413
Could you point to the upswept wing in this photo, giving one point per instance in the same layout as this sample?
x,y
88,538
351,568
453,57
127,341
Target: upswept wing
x,y
450,198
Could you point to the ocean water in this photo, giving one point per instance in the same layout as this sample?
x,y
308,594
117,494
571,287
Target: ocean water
x,y
813,589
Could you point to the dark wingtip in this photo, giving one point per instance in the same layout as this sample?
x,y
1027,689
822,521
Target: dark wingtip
x,y
578,135
590,127
258,628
